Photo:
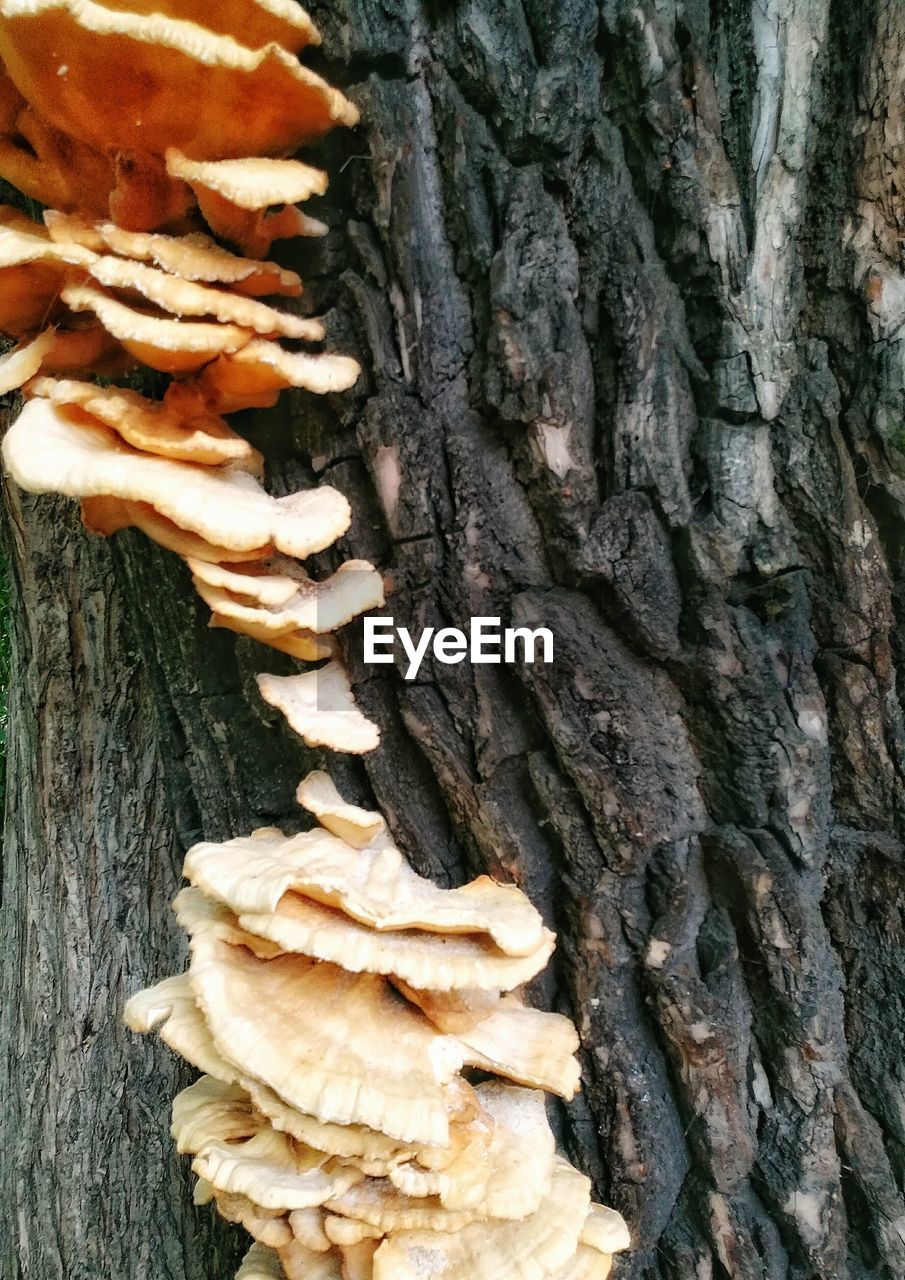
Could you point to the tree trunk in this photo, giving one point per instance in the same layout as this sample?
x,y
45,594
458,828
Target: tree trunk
x,y
627,281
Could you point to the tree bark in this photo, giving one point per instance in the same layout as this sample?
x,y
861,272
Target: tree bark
x,y
627,282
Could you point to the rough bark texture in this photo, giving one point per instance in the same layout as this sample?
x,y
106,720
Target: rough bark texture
x,y
628,283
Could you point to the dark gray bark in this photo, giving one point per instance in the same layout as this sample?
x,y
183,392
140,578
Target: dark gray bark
x,y
627,282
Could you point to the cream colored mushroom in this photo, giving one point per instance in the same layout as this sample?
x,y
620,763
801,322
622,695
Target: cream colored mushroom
x,y
363,1059
507,1167
308,1228
211,1111
439,962
268,1226
187,298
106,516
44,452
203,1193
358,1260
318,607
271,1171
148,425
193,257
170,346
320,707
199,914
253,377
254,182
272,583
605,1230
302,1263
530,1249
318,794
350,1141
373,885
261,1263
170,1009
585,1264
381,1206
527,1045
459,1011
349,1233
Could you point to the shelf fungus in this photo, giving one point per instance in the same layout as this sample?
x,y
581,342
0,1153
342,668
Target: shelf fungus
x,y
93,119
47,451
320,707
194,256
335,1120
372,1099
252,202
87,294
119,79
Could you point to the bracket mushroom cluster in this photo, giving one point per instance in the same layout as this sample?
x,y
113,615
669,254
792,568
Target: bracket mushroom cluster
x,y
144,110
84,296
372,1097
335,1001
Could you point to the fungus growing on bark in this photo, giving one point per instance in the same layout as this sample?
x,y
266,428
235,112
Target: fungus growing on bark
x,y
106,515
443,962
318,793
253,376
373,885
234,196
44,451
261,1263
317,607
357,1119
364,1059
147,425
321,708
187,298
170,346
119,81
192,257
334,997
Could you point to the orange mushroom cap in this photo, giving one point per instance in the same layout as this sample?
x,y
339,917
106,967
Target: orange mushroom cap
x,y
258,22
122,81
